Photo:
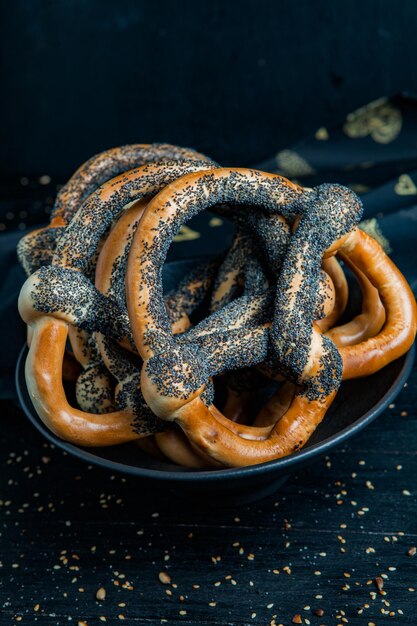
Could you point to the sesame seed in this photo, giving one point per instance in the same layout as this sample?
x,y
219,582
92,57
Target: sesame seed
x,y
101,593
164,578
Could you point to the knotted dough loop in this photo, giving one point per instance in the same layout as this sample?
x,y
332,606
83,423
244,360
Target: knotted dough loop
x,y
175,376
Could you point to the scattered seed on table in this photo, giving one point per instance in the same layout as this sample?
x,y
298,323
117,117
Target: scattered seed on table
x,y
164,578
101,594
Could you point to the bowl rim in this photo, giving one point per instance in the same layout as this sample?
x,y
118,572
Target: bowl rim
x,y
285,464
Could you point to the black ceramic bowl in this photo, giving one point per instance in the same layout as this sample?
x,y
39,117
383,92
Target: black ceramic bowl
x,y
357,404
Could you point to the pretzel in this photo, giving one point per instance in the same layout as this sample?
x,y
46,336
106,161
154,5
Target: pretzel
x,y
93,304
243,269
175,377
61,294
279,190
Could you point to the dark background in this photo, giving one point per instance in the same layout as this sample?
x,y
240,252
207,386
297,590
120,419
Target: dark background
x,y
238,80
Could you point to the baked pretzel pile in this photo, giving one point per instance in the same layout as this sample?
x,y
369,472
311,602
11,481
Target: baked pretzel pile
x,y
148,366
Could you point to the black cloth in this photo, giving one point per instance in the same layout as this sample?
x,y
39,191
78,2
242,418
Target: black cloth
x,y
373,150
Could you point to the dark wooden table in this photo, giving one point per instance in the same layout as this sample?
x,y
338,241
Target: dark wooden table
x,y
333,534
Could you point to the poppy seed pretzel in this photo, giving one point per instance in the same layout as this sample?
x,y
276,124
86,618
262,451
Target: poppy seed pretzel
x,y
365,325
174,376
280,191
114,317
394,338
91,306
